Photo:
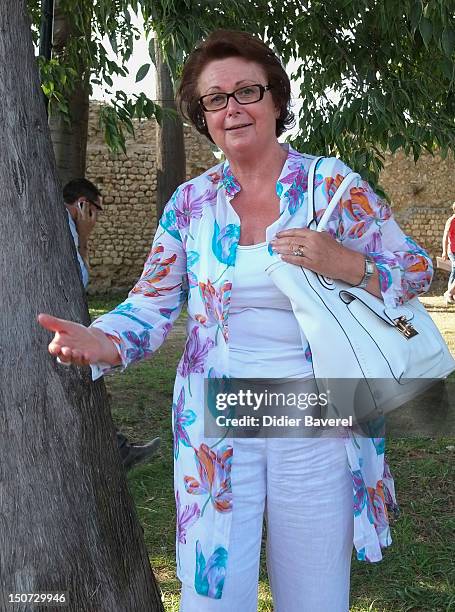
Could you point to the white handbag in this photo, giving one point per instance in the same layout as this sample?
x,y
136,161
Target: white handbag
x,y
369,358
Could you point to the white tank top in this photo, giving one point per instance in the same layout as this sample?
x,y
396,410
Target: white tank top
x,y
265,340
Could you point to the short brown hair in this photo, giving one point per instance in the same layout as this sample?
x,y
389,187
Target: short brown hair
x,y
81,187
222,44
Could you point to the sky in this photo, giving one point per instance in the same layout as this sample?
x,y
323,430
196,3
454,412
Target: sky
x,y
139,57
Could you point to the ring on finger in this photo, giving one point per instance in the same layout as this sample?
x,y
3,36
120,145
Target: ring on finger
x,y
299,251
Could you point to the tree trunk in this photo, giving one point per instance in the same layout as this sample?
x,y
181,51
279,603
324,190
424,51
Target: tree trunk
x,y
70,139
67,522
170,147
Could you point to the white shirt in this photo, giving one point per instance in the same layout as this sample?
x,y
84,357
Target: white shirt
x,y
265,340
75,236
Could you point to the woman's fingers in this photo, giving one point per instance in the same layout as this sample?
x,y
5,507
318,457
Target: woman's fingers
x,y
294,232
293,245
67,353
80,358
54,348
317,251
75,343
68,356
70,339
288,241
53,323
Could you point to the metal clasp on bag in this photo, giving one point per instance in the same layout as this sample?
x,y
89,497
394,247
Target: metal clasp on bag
x,y
405,328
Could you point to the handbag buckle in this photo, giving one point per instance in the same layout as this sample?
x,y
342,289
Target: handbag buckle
x,y
405,328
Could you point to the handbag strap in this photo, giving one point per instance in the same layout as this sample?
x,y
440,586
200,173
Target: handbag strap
x,y
311,218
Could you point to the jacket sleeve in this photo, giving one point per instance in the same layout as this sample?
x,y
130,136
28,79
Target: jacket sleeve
x,y
139,325
364,222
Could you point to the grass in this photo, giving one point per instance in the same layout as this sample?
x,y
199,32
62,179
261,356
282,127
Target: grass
x,y
417,573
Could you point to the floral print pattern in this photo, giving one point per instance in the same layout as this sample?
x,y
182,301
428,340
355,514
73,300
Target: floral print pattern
x,y
194,355
216,302
139,345
155,270
192,261
210,574
181,420
224,243
185,517
214,469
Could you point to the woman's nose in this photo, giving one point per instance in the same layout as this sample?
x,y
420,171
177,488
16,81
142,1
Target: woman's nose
x,y
233,106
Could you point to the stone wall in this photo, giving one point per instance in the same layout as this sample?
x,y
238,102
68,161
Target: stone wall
x,y
421,195
123,234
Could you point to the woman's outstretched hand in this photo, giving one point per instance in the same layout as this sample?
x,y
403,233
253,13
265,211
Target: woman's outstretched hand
x,y
79,345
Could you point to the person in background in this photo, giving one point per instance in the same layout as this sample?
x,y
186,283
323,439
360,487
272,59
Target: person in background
x,y
83,201
448,252
449,295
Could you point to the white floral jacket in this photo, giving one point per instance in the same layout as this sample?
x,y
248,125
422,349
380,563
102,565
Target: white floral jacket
x,y
192,260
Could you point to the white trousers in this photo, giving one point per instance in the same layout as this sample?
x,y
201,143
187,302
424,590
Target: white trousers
x,y
305,489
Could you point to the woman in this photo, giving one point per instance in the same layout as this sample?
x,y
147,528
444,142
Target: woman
x,y
217,235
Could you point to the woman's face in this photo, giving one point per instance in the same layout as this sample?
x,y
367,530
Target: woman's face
x,y
239,129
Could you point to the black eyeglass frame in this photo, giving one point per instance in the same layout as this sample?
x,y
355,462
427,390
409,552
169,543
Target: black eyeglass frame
x,y
83,199
262,90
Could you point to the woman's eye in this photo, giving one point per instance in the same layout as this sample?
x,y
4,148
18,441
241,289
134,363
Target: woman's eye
x,y
217,99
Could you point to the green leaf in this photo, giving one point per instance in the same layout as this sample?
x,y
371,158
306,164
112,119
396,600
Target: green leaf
x,y
382,193
113,41
426,30
152,51
139,107
158,114
416,14
142,72
395,142
447,68
448,41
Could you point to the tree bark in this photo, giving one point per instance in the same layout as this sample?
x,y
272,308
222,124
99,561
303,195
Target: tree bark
x,y
170,149
67,522
70,139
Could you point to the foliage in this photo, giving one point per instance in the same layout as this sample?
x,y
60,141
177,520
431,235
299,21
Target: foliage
x,y
374,75
179,24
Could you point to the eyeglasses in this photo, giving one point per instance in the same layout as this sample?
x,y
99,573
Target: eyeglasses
x,y
83,200
244,95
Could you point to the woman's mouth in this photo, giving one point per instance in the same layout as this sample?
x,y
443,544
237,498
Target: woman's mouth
x,y
238,127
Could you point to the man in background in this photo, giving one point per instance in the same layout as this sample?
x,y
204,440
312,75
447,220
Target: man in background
x,y
83,202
